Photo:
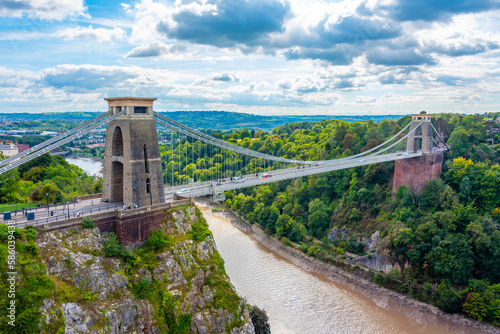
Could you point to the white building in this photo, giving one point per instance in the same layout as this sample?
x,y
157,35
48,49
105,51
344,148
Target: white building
x,y
8,148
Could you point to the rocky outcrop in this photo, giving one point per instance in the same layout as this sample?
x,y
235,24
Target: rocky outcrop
x,y
180,285
345,234
371,242
339,234
373,261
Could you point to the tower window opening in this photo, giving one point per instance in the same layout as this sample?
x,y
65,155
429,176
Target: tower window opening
x,y
117,144
140,110
148,186
146,164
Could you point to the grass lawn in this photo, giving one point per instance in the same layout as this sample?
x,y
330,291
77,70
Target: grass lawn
x,y
18,206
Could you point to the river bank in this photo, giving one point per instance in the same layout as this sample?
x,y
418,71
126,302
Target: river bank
x,y
386,299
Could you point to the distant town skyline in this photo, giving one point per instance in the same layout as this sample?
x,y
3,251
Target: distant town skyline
x,y
278,57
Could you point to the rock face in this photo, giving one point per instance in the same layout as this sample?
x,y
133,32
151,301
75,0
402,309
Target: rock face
x,y
345,234
372,242
178,287
374,261
339,234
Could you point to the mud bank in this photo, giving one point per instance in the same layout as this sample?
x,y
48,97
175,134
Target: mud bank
x,y
387,299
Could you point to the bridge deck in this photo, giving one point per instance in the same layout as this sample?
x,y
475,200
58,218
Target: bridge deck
x,y
198,189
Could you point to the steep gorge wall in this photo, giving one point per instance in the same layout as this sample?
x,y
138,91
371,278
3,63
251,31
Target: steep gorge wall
x,y
177,287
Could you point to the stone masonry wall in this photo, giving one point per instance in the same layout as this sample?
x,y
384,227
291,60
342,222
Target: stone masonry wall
x,y
415,173
137,228
130,226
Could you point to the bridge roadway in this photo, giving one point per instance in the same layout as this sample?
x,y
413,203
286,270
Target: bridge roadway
x,y
199,189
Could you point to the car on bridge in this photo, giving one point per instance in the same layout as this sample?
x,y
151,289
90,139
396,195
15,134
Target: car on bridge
x,y
264,176
238,179
182,191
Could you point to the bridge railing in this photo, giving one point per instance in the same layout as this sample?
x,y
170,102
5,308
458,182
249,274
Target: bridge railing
x,y
61,214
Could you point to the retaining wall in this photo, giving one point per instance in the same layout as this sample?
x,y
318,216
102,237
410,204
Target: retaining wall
x,y
415,173
130,226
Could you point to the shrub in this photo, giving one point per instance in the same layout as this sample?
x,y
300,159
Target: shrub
x,y
427,292
199,231
30,233
142,289
285,241
157,241
475,306
31,249
449,300
88,223
112,248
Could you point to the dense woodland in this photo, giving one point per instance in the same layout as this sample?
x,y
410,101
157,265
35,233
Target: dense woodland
x,y
46,174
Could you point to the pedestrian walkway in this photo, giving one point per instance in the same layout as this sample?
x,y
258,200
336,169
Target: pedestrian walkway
x,y
51,213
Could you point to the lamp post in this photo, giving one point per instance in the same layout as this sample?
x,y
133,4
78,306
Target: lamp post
x,y
47,194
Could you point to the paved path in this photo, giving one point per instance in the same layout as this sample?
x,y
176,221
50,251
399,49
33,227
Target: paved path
x,y
61,212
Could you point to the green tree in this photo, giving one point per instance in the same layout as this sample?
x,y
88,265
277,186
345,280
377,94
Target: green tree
x,y
318,223
475,306
465,190
452,259
449,300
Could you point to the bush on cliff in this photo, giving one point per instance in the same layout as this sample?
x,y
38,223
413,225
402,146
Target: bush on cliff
x,y
112,248
158,240
260,321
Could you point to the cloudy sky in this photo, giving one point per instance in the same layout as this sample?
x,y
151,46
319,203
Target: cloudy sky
x,y
256,56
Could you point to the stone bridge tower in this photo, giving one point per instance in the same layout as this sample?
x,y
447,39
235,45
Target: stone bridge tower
x,y
132,165
426,134
416,172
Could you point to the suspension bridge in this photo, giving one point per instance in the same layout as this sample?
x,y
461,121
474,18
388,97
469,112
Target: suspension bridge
x,y
199,164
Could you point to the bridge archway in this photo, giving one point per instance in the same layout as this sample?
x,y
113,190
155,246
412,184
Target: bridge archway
x,y
117,146
117,182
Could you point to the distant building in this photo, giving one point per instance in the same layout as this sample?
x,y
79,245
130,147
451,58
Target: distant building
x,y
96,145
49,133
22,147
8,148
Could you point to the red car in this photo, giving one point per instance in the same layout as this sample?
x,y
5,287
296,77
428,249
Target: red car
x,y
264,176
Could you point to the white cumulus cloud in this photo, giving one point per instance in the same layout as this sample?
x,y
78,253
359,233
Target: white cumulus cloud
x,y
43,9
98,34
155,49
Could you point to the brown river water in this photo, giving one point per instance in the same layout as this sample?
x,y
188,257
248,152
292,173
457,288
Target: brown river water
x,y
295,300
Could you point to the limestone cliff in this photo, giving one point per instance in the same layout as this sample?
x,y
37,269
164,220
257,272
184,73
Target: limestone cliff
x,y
175,283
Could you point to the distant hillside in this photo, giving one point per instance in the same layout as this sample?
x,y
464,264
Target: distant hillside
x,y
217,120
